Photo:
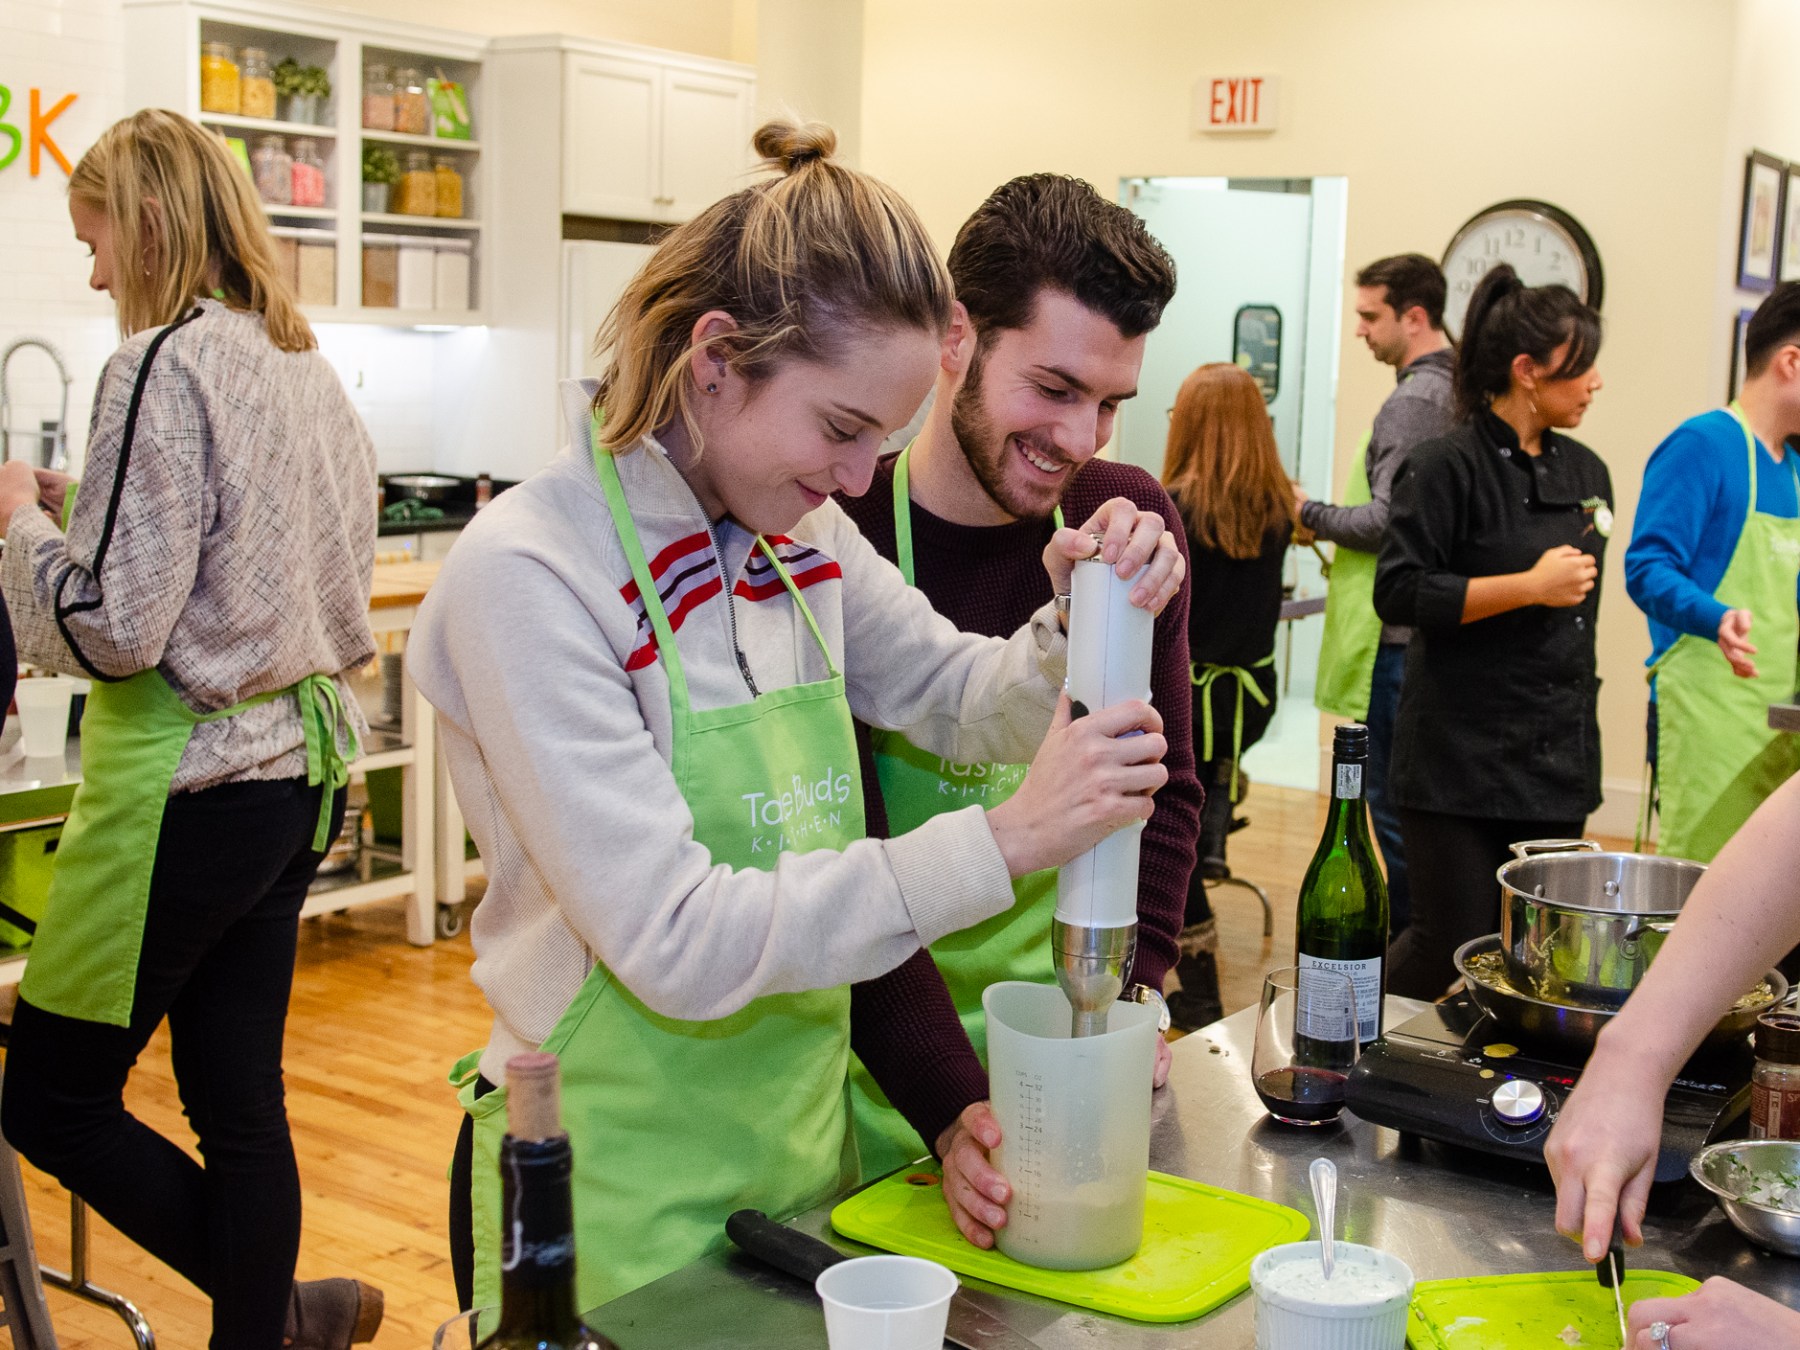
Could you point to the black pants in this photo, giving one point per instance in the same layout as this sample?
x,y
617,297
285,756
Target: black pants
x,y
232,867
1451,862
462,1208
1216,773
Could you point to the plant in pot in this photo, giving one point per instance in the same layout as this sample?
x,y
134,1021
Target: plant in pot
x,y
303,90
380,171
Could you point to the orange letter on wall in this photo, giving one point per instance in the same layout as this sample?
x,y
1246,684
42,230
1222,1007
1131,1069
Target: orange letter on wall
x,y
40,131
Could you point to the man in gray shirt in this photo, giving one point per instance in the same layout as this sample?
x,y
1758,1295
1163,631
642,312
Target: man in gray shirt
x,y
1400,314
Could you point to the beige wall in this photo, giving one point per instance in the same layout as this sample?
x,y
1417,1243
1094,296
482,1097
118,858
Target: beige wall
x,y
703,27
808,60
1616,110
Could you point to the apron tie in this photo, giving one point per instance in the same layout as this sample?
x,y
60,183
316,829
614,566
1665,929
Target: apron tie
x,y
322,713
1203,677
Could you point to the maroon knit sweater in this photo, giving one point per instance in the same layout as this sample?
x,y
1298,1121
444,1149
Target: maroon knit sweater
x,y
990,579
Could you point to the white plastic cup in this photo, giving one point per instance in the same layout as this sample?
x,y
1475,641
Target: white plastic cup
x,y
1074,1117
1373,1318
44,715
886,1303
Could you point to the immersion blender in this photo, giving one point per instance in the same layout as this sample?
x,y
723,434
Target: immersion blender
x,y
1094,934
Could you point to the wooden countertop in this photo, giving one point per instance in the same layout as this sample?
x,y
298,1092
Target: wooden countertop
x,y
398,585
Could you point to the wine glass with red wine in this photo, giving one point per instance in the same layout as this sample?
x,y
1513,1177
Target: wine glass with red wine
x,y
1305,1043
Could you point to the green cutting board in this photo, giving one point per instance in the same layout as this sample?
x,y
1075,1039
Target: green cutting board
x,y
1198,1245
1529,1312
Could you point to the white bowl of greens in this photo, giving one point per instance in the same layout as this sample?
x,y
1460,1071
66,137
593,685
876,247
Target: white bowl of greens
x,y
1757,1182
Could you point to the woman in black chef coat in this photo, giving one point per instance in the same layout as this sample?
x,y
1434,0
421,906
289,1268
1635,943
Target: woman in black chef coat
x,y
1492,556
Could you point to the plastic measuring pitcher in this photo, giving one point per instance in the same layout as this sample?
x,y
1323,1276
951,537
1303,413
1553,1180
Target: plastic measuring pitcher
x,y
1075,1126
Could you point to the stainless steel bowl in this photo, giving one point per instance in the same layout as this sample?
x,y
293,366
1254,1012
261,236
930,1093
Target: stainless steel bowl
x,y
1573,1026
1776,1229
1582,926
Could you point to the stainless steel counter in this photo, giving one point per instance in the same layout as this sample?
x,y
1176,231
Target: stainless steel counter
x,y
1784,716
32,789
1446,1213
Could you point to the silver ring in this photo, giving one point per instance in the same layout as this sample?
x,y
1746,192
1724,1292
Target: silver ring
x,y
1659,1335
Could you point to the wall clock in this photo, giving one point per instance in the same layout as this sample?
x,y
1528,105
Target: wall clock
x,y
1544,244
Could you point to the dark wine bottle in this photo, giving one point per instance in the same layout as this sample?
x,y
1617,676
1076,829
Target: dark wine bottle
x,y
1343,920
537,1263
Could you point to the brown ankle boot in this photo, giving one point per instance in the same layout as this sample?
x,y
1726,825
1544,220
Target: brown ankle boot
x,y
332,1314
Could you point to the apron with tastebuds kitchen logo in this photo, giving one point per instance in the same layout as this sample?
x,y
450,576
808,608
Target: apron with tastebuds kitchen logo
x,y
84,957
1352,628
675,1124
1717,757
1013,945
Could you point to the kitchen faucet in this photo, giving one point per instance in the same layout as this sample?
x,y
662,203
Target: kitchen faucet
x,y
59,444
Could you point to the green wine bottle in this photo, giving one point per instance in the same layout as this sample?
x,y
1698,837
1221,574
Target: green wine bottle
x,y
1343,920
537,1264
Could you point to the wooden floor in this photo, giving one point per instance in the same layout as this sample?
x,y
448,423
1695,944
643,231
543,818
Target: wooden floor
x,y
374,1027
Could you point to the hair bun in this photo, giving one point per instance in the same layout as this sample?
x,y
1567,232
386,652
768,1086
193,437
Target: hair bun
x,y
789,147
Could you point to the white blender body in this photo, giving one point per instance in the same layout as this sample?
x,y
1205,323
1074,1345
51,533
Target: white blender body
x,y
1094,934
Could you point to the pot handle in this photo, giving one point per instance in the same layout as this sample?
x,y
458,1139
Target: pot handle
x,y
1634,934
1529,848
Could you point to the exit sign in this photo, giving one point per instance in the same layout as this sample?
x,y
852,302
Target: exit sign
x,y
1235,103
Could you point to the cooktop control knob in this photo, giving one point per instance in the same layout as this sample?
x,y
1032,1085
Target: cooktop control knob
x,y
1518,1102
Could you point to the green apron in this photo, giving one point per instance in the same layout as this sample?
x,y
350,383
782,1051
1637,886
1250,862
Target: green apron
x,y
1352,628
675,1124
1717,757
84,958
1203,677
1013,945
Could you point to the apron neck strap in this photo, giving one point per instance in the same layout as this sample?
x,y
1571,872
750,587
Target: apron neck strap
x,y
608,470
903,543
1736,409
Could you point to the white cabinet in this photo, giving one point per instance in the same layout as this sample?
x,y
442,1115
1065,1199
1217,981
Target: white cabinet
x,y
612,138
649,139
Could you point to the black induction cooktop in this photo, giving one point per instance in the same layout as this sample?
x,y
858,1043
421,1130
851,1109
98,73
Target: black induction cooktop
x,y
1455,1075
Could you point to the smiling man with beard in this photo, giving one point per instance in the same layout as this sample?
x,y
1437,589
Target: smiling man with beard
x,y
1057,290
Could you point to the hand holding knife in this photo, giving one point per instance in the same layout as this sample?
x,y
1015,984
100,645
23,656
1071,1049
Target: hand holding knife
x,y
1611,1273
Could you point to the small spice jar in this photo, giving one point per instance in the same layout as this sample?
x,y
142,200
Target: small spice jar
x,y
256,91
221,89
412,109
273,169
416,193
378,98
309,173
449,186
1775,1081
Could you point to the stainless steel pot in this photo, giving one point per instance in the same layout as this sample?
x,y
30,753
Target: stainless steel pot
x,y
424,487
1572,1028
1581,926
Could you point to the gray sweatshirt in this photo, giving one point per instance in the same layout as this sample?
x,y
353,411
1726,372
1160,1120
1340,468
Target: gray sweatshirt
x,y
556,726
1420,409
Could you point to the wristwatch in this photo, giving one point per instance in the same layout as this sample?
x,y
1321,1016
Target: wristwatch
x,y
1143,993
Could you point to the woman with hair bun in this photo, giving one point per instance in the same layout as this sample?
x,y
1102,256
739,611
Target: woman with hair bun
x,y
212,579
1493,555
646,660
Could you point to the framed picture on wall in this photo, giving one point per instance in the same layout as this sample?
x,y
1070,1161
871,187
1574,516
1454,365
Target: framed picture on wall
x,y
1759,233
1790,226
1738,355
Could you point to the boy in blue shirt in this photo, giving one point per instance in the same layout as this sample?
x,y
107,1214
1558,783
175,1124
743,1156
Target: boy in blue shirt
x,y
1715,554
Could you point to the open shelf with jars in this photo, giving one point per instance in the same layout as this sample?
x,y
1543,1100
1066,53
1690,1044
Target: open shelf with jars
x,y
360,134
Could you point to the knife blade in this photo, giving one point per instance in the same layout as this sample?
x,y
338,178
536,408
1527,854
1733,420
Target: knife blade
x,y
1611,1273
805,1257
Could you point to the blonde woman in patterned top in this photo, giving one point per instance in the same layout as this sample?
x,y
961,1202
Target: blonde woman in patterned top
x,y
211,578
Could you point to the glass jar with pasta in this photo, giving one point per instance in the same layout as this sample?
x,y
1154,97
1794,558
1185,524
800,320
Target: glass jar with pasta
x,y
256,92
449,186
416,192
221,89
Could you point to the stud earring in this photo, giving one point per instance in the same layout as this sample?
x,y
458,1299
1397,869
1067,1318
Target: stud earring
x,y
712,388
